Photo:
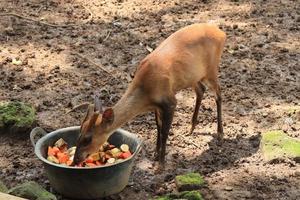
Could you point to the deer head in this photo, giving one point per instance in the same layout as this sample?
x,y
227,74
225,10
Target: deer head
x,y
93,130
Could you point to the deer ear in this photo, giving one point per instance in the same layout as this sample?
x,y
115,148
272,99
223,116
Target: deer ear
x,y
108,115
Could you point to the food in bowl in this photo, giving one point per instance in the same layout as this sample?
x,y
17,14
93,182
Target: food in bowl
x,y
107,154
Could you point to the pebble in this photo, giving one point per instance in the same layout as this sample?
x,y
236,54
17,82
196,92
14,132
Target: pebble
x,y
228,188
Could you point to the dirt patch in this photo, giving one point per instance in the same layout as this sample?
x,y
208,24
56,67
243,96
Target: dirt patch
x,y
259,75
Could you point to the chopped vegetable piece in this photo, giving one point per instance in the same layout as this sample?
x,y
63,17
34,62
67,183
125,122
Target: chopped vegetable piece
x,y
107,154
69,162
60,143
53,159
89,160
62,158
98,163
125,155
95,156
111,160
124,147
71,151
91,165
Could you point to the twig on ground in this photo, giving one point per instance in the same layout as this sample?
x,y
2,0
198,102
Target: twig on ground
x,y
96,64
107,36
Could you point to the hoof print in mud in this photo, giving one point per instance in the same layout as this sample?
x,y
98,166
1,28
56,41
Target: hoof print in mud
x,y
16,117
31,190
277,146
189,181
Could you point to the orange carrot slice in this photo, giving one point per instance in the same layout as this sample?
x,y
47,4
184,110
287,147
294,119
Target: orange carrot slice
x,y
125,155
89,160
62,158
91,165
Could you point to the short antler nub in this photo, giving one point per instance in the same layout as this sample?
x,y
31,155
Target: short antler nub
x,y
98,104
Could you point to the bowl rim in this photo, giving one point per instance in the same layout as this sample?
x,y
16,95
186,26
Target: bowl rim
x,y
72,128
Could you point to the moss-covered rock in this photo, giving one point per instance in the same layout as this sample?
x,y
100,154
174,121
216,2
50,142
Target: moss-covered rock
x,y
276,145
16,116
188,195
189,181
31,190
3,187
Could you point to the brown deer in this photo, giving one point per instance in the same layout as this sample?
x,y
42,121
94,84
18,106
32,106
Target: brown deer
x,y
189,57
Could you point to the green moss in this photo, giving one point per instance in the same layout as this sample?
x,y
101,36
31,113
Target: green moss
x,y
31,190
191,195
188,195
189,179
276,145
16,114
3,187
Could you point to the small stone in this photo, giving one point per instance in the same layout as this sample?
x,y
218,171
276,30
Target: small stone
x,y
288,121
16,62
189,181
228,188
31,190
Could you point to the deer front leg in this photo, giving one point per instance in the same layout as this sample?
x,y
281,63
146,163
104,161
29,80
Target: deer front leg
x,y
167,113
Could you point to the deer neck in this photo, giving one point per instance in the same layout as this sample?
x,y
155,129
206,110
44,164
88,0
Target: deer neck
x,y
129,106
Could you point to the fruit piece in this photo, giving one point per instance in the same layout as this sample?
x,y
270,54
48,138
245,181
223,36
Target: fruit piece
x,y
71,158
62,158
124,147
95,156
60,143
111,160
71,151
98,163
125,155
52,151
91,165
111,146
53,159
115,152
89,160
107,156
69,162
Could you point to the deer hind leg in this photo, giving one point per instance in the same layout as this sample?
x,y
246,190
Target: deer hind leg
x,y
214,85
158,140
199,89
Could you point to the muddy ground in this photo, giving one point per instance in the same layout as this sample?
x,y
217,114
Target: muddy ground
x,y
259,76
